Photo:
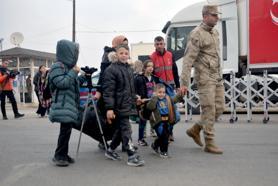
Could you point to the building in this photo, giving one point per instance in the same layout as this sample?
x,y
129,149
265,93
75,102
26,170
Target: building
x,y
141,51
27,62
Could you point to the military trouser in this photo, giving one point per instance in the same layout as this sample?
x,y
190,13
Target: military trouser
x,y
212,102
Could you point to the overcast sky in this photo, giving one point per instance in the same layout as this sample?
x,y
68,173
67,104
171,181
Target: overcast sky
x,y
44,22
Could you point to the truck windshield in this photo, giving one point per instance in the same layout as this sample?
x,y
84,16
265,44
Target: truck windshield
x,y
177,40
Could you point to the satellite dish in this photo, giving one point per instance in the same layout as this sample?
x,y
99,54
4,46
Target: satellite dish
x,y
16,38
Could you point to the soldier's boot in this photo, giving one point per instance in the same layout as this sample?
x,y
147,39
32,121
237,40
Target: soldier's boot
x,y
194,133
210,145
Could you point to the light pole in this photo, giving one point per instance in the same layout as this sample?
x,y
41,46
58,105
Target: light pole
x,y
73,20
1,46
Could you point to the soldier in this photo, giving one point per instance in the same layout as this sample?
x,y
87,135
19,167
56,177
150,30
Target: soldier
x,y
202,52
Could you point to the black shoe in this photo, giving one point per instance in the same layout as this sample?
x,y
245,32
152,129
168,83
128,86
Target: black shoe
x,y
142,142
111,154
5,118
70,159
135,161
18,115
164,155
60,162
171,138
155,148
101,146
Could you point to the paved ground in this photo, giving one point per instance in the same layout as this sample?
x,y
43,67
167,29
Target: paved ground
x,y
250,157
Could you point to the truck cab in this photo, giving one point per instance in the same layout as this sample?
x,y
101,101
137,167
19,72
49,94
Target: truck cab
x,y
179,28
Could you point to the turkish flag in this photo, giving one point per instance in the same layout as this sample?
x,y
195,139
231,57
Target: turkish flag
x,y
263,31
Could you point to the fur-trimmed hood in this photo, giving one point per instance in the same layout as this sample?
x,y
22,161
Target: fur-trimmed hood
x,y
112,56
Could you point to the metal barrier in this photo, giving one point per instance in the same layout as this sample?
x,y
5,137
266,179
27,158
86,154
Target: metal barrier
x,y
249,93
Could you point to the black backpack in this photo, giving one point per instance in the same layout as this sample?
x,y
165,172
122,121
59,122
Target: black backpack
x,y
144,112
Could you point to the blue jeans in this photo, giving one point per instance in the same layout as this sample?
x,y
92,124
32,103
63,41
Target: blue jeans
x,y
162,130
142,126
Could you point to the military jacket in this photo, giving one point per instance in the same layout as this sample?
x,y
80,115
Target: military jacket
x,y
203,53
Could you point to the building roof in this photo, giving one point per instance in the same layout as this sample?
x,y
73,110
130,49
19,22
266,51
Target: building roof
x,y
22,52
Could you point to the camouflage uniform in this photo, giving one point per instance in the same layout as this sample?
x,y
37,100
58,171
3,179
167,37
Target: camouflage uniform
x,y
203,54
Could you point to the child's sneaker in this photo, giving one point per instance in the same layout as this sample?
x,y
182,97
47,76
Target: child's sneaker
x,y
135,161
70,159
171,138
133,146
164,155
152,133
142,142
111,154
155,148
62,162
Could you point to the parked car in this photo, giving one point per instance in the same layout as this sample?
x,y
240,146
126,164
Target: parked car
x,y
84,90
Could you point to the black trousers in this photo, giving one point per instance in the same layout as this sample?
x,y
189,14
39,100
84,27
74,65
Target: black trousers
x,y
122,134
40,109
162,130
62,149
10,95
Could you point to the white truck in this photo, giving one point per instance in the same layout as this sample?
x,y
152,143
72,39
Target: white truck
x,y
248,32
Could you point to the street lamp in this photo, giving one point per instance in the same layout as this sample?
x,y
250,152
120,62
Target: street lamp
x,y
73,20
1,41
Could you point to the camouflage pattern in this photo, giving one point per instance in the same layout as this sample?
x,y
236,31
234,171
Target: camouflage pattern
x,y
211,97
210,9
203,53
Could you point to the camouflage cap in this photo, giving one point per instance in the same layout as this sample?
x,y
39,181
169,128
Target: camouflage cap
x,y
210,9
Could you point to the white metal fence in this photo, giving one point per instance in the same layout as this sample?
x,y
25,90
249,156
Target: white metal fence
x,y
248,94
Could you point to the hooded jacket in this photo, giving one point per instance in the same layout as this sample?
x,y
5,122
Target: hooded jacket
x,y
118,88
156,116
64,84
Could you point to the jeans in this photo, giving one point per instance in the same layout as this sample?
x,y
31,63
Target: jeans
x,y
142,126
162,130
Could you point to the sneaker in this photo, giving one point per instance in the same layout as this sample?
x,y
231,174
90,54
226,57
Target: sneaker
x,y
133,146
70,159
135,161
101,146
163,155
142,142
60,162
112,155
152,133
155,148
5,118
18,115
171,138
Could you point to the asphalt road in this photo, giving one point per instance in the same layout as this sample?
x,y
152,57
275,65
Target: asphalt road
x,y
250,157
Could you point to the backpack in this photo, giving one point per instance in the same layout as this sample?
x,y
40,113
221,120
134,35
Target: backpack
x,y
170,92
144,112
